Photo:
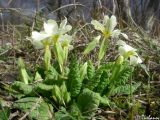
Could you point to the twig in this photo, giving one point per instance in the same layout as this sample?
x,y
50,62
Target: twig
x,y
13,115
67,6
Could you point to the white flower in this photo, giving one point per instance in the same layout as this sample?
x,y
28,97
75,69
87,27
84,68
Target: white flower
x,y
128,52
124,48
37,37
51,31
107,27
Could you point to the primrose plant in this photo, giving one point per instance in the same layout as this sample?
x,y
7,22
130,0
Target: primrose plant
x,y
56,37
85,86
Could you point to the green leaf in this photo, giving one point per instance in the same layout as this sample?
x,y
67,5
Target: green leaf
x,y
104,81
75,111
37,108
83,71
23,73
22,88
21,63
125,89
65,94
60,94
43,89
105,101
92,83
124,75
51,74
92,45
74,83
38,77
90,70
88,102
115,72
62,114
56,94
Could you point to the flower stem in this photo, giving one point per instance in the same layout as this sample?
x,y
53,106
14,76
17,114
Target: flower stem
x,y
47,57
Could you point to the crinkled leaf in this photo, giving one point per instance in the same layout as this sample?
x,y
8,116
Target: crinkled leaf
x,y
93,83
22,88
90,70
43,89
83,71
125,89
104,81
51,75
88,101
62,114
104,101
75,112
74,83
37,108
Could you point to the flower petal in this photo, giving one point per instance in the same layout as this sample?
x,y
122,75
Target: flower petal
x,y
51,27
98,25
37,39
128,48
66,29
115,33
113,23
121,50
139,60
63,23
134,60
37,36
121,43
106,19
